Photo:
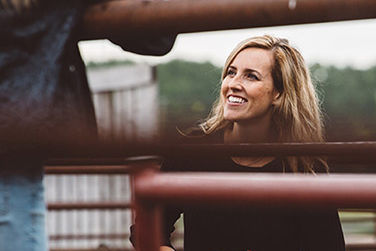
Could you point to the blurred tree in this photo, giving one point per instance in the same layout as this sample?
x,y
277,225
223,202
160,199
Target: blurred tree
x,y
349,101
187,91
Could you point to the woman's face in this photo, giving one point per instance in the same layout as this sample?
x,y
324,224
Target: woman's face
x,y
247,90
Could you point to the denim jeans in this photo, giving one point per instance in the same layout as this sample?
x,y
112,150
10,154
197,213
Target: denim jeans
x,y
22,212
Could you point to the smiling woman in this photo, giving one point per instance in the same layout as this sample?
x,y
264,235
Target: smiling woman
x,y
266,96
279,102
248,88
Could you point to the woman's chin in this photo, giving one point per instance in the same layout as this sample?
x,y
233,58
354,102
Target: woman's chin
x,y
232,118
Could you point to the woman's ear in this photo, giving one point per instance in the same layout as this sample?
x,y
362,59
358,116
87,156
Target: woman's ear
x,y
276,98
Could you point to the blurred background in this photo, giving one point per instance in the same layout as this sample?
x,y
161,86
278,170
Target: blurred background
x,y
141,98
341,55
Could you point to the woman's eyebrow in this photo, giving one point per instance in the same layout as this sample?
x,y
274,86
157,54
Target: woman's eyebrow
x,y
247,70
253,71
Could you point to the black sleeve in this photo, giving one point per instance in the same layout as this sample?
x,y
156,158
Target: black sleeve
x,y
321,231
156,45
169,218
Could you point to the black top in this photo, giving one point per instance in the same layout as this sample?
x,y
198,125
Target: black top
x,y
255,229
44,94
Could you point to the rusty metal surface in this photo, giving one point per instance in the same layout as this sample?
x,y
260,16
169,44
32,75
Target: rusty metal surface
x,y
58,237
85,161
103,151
88,169
89,206
148,234
129,17
273,190
148,229
96,159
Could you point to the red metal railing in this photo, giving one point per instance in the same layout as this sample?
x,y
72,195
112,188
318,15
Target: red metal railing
x,y
82,167
333,191
128,17
120,154
153,189
121,18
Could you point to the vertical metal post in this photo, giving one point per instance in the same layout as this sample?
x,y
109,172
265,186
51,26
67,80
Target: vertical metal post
x,y
148,215
147,227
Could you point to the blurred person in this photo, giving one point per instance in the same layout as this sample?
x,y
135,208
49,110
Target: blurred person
x,y
45,104
266,96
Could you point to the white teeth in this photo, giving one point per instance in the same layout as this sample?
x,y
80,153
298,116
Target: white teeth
x,y
233,99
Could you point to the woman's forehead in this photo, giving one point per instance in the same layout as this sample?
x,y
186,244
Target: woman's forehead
x,y
254,58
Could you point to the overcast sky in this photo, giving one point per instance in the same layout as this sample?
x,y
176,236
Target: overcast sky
x,y
339,43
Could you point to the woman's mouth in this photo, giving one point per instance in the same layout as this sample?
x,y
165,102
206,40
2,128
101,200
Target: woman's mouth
x,y
236,99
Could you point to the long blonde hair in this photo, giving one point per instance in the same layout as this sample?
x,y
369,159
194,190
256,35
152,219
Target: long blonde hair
x,y
17,5
298,117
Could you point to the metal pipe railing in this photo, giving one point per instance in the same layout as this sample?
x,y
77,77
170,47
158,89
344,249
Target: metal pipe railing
x,y
129,17
234,190
120,151
75,170
58,237
89,206
221,189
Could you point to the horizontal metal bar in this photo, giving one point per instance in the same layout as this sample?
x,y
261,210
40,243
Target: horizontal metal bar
x,y
124,150
58,237
99,166
130,18
272,190
122,159
89,170
85,161
89,206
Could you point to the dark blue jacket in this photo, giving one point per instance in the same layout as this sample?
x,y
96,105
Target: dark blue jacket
x,y
44,95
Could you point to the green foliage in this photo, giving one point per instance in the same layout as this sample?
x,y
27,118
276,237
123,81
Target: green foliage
x,y
187,91
349,101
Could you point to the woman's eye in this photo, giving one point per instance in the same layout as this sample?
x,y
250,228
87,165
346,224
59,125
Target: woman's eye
x,y
231,72
252,76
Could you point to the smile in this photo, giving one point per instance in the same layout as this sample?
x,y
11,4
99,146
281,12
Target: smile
x,y
236,100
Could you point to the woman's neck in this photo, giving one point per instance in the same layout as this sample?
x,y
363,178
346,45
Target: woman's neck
x,y
250,133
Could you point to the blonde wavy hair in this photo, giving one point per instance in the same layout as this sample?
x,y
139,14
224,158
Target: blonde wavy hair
x,y
298,117
17,5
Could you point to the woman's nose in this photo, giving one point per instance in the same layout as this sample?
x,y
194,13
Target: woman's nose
x,y
235,83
